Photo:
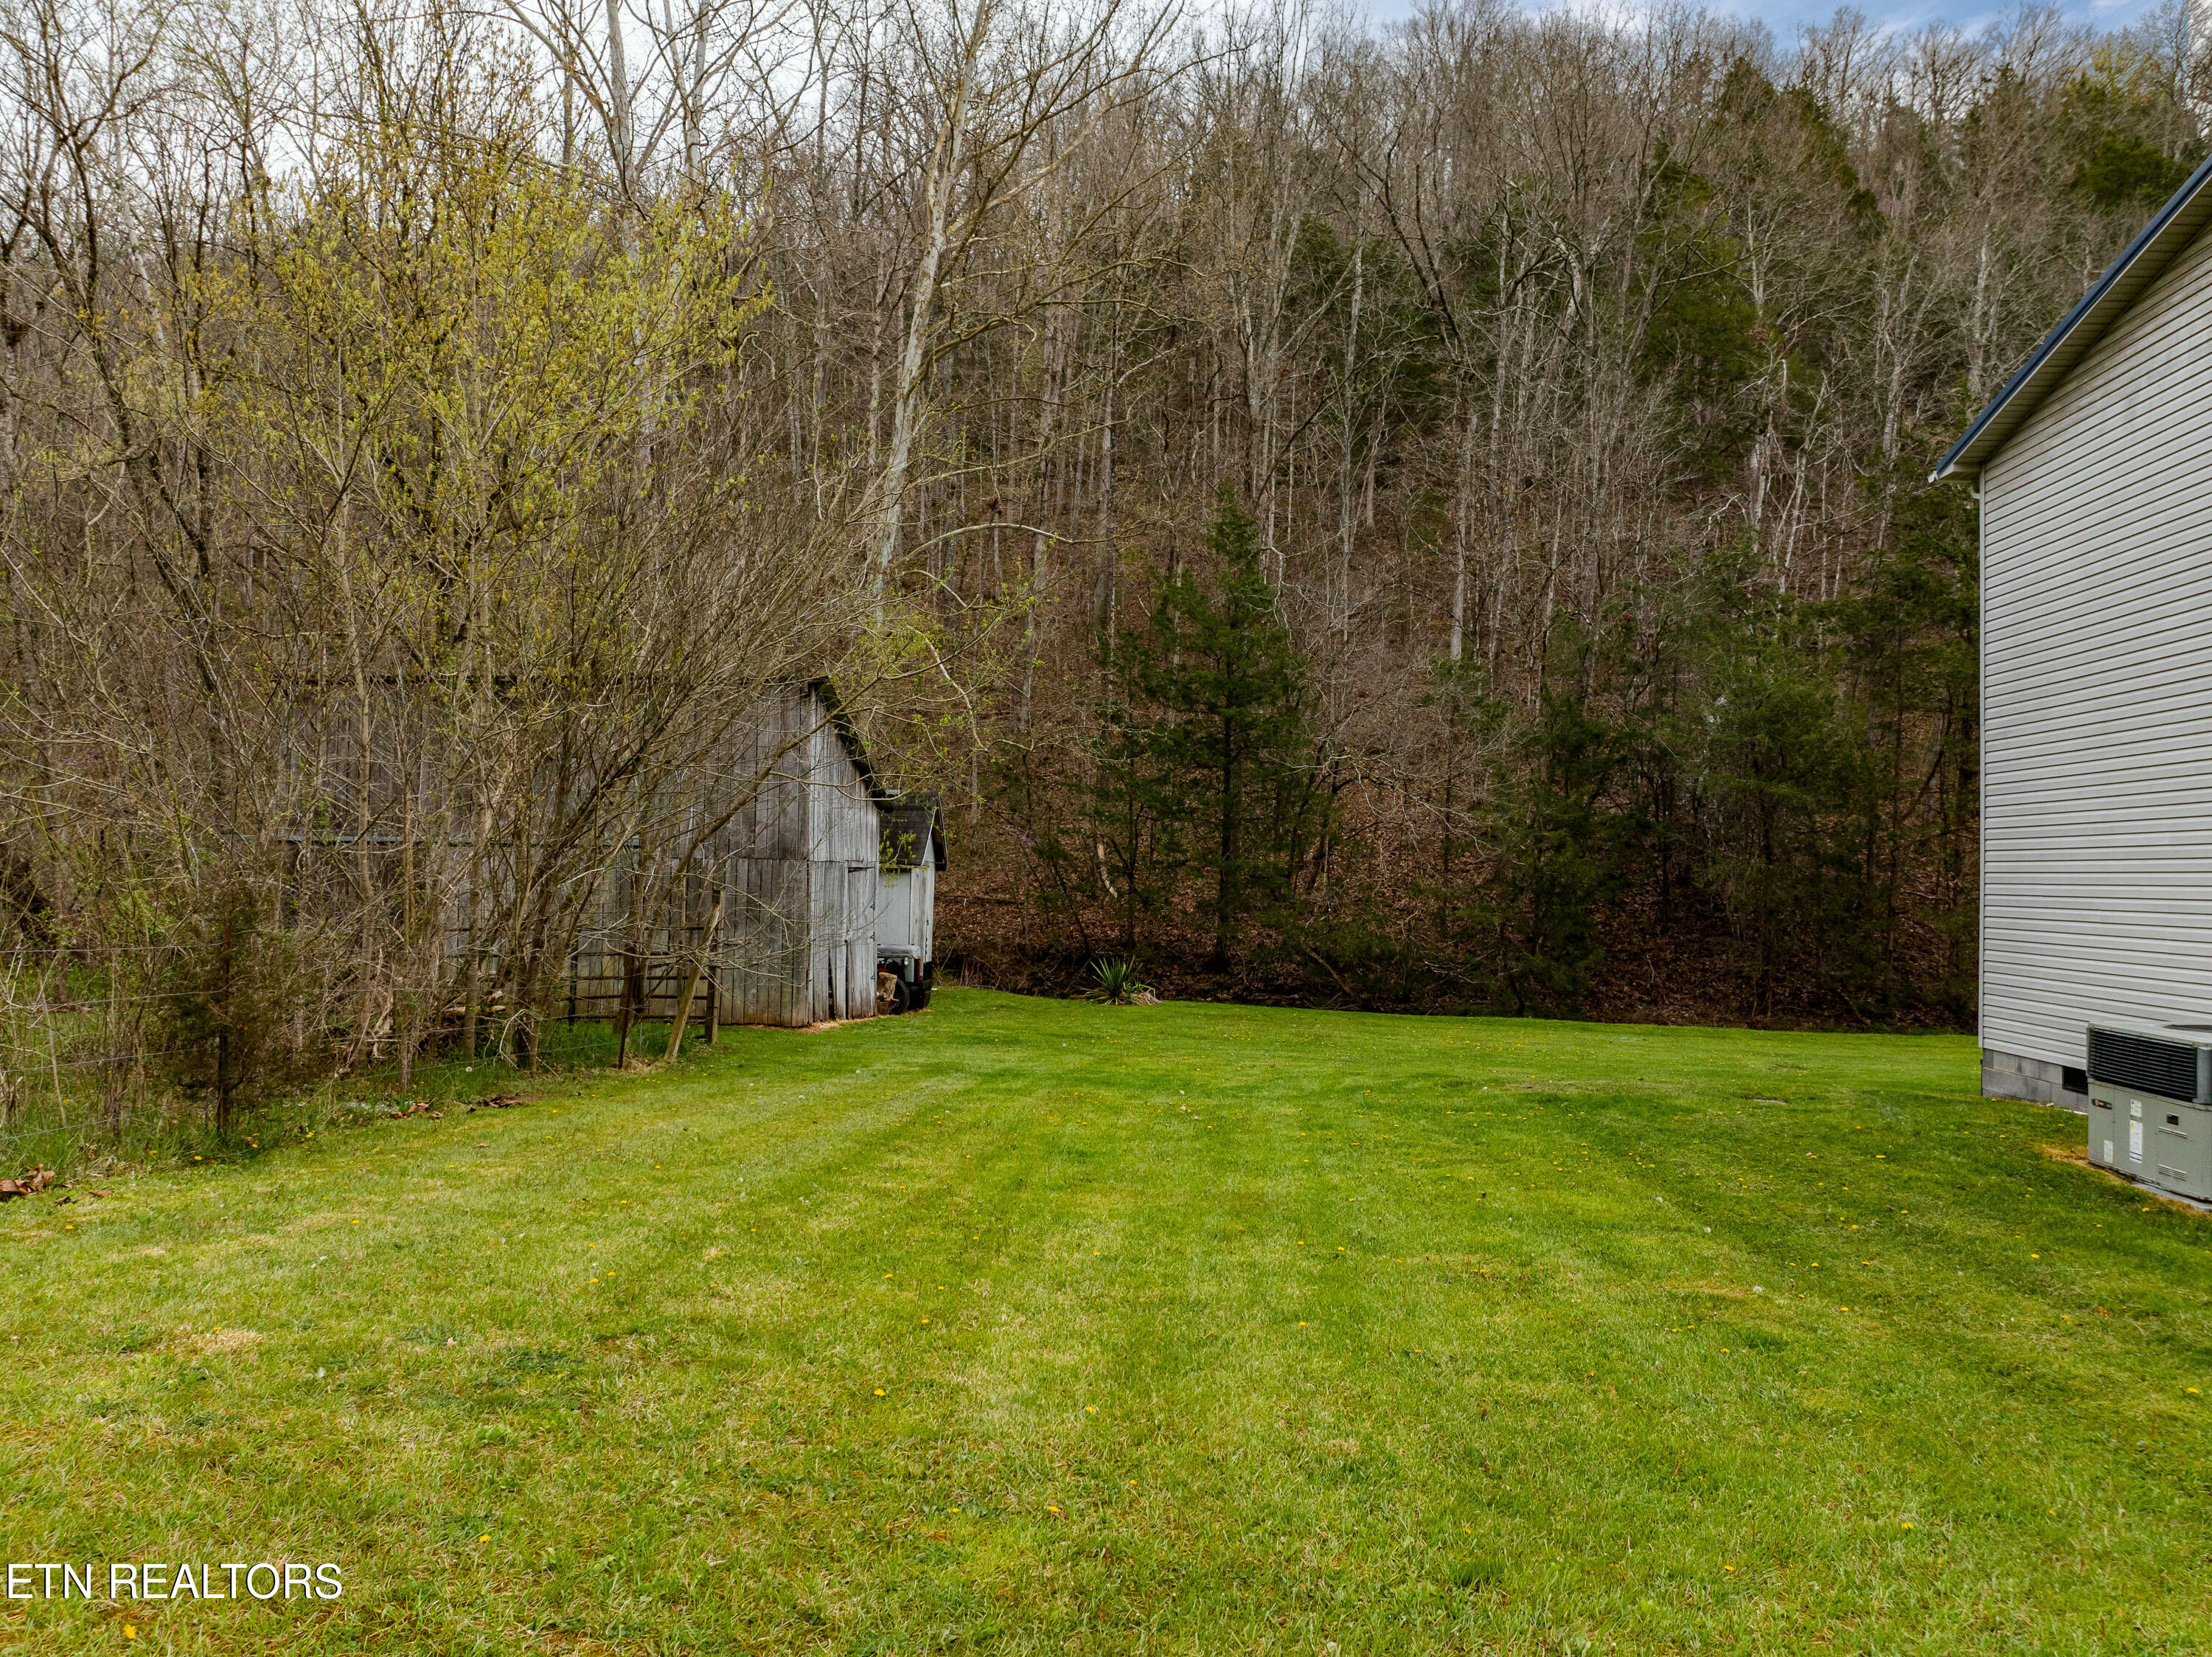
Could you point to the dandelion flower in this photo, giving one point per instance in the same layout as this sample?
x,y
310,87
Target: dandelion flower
x,y
879,1393
1091,1409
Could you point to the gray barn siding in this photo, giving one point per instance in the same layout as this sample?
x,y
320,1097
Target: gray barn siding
x,y
796,866
2097,693
763,949
845,833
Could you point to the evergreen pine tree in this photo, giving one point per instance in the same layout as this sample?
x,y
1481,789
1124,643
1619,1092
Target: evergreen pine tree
x,y
1231,751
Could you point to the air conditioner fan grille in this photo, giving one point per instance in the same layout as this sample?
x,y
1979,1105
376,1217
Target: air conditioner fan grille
x,y
2168,1068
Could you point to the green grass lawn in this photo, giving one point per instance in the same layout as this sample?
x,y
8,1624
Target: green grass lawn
x,y
1035,1327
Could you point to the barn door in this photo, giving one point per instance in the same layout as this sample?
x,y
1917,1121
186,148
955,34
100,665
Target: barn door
x,y
860,885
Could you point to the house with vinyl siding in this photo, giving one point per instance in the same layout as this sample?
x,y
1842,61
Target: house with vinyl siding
x,y
2092,468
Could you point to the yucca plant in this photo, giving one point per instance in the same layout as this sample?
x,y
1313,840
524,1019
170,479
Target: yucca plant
x,y
1116,983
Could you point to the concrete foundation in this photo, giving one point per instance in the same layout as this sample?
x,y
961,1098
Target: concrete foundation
x,y
2007,1075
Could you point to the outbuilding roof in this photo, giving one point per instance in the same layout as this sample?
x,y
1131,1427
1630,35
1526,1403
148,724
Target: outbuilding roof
x,y
2175,226
914,832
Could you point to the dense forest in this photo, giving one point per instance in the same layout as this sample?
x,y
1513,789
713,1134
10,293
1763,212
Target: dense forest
x,y
1465,505
1428,515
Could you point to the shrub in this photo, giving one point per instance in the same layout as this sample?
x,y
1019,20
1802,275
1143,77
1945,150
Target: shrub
x,y
1116,983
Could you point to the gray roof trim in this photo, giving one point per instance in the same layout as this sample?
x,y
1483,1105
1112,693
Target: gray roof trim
x,y
2147,257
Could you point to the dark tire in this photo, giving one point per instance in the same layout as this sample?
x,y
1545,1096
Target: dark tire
x,y
918,992
902,996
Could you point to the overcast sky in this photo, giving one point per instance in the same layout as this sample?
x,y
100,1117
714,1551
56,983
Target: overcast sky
x,y
1784,16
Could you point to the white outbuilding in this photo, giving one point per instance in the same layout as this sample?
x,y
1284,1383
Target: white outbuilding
x,y
911,859
2093,470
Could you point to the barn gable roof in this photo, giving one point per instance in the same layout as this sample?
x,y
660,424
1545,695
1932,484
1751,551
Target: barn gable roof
x,y
849,734
912,823
2184,214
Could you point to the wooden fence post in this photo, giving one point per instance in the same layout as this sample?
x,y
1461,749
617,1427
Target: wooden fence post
x,y
691,978
622,1008
225,1083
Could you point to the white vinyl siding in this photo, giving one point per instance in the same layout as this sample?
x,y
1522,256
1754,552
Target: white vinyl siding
x,y
2097,687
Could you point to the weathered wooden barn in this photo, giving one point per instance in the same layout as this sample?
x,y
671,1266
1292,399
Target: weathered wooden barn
x,y
780,907
2096,654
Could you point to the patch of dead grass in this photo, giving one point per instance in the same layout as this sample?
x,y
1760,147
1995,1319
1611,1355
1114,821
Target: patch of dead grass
x,y
2078,1157
211,1342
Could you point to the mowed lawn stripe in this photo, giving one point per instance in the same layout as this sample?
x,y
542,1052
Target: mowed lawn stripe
x,y
1025,1325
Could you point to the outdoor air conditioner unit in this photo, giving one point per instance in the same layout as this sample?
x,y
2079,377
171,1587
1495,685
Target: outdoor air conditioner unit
x,y
2150,1103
